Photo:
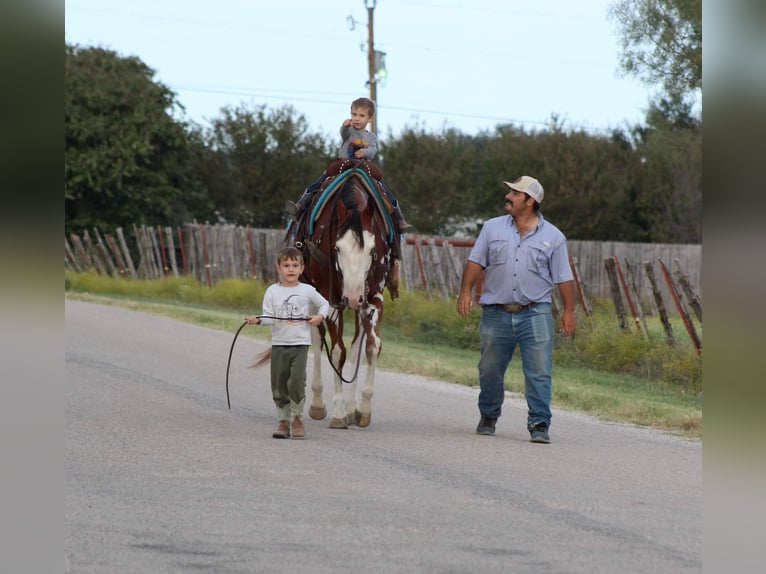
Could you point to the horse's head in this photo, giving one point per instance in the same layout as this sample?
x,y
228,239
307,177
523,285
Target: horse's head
x,y
355,244
354,254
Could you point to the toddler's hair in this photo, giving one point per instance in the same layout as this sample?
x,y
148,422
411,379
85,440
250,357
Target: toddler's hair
x,y
366,103
290,253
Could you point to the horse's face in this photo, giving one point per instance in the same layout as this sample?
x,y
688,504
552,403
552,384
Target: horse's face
x,y
354,261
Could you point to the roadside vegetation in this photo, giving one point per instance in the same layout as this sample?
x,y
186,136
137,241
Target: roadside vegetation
x,y
603,371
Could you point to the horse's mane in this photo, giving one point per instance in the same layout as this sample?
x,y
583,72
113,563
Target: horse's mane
x,y
348,197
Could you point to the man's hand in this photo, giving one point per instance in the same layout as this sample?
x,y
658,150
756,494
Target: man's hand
x,y
464,304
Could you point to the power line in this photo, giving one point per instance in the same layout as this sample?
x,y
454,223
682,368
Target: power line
x,y
288,95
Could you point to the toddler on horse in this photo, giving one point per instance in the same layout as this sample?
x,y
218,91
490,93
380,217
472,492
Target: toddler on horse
x,y
358,150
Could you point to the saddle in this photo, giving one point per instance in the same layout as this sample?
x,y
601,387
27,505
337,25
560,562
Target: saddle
x,y
338,171
301,232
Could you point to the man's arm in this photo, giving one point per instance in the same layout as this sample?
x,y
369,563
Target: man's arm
x,y
567,325
471,274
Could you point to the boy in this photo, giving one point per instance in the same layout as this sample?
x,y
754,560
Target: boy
x,y
286,307
361,144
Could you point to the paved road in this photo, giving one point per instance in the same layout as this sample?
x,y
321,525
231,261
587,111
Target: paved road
x,y
161,477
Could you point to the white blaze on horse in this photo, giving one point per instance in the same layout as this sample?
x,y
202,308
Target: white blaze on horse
x,y
346,243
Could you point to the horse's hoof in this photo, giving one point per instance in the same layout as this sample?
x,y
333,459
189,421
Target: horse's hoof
x,y
317,413
363,420
338,423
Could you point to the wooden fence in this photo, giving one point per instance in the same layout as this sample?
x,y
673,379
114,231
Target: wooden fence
x,y
433,264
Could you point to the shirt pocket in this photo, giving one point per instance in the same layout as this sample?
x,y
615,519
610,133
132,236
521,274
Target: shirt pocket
x,y
498,252
538,260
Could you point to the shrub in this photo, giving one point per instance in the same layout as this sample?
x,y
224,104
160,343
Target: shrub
x,y
598,343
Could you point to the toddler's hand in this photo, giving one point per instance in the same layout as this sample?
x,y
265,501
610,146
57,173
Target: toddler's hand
x,y
252,320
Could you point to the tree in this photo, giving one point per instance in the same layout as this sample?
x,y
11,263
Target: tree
x,y
430,175
670,174
256,160
662,43
126,159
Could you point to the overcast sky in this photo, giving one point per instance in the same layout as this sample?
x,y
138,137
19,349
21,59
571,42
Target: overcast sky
x,y
467,64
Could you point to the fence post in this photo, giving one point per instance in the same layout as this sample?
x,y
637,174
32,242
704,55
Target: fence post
x,y
691,296
631,306
634,289
578,287
681,309
615,288
126,253
205,261
660,304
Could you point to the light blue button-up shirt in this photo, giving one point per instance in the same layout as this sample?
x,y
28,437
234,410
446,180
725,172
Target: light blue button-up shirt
x,y
516,269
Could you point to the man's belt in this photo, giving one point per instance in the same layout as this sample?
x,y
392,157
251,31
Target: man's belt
x,y
515,307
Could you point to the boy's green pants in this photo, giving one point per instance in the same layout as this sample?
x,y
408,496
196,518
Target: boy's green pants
x,y
288,379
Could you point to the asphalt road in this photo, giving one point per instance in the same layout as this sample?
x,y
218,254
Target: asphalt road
x,y
161,477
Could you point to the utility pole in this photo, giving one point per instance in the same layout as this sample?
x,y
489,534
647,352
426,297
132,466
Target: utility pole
x,y
370,4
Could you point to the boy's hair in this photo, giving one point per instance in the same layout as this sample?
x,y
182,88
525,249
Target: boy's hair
x,y
290,253
366,103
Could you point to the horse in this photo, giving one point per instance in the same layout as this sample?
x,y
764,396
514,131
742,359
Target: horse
x,y
346,238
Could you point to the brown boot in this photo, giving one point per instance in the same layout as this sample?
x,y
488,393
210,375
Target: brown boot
x,y
399,220
298,430
282,430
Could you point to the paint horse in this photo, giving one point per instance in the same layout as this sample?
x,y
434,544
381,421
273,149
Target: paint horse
x,y
346,237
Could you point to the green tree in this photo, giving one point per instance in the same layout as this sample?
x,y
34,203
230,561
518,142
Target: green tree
x,y
669,174
256,159
588,191
430,175
126,159
662,43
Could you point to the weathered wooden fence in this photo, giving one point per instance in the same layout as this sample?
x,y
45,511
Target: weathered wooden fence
x,y
433,264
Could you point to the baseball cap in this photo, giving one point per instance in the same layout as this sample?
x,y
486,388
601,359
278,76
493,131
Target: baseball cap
x,y
528,185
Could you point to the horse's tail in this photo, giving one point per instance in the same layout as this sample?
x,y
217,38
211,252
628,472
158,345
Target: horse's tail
x,y
262,359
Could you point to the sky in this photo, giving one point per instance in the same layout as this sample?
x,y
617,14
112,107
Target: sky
x,y
463,64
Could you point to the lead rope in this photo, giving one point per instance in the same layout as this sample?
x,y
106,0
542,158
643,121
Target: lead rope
x,y
231,350
358,354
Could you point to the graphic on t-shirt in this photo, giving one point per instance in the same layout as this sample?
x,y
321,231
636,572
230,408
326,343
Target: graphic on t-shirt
x,y
290,310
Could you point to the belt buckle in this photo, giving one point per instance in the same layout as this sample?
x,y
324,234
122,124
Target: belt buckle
x,y
513,307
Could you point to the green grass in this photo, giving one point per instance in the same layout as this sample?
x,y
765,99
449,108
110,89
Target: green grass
x,y
610,374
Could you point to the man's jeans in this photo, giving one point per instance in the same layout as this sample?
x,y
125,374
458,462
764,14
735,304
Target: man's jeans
x,y
500,331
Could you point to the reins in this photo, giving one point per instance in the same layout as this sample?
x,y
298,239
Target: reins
x,y
358,354
231,349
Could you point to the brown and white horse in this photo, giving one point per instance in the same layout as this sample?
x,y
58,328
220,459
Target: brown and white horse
x,y
346,246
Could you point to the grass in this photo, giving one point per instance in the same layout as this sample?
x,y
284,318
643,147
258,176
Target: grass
x,y
603,372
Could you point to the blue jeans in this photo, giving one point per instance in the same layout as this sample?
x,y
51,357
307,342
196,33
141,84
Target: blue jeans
x,y
500,332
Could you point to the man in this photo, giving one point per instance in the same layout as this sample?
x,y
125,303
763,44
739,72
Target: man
x,y
522,256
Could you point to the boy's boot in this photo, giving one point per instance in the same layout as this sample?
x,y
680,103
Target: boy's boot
x,y
399,220
296,209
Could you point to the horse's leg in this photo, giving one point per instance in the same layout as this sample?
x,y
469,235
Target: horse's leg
x,y
372,341
351,410
317,409
338,420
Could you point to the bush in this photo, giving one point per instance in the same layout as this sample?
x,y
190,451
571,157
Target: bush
x,y
598,344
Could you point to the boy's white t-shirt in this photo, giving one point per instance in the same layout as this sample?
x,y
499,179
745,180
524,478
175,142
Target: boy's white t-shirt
x,y
292,303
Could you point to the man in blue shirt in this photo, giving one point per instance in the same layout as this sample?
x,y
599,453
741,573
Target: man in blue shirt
x,y
521,256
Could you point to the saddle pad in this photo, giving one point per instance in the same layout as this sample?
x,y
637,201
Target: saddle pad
x,y
372,190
